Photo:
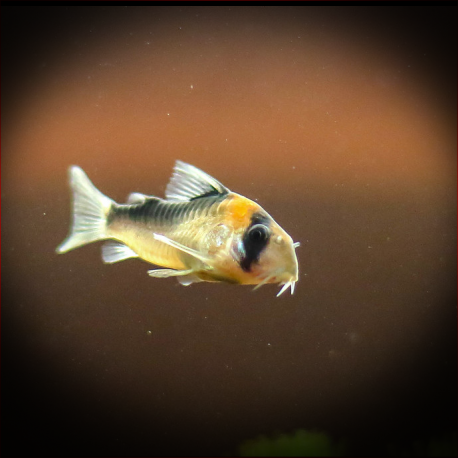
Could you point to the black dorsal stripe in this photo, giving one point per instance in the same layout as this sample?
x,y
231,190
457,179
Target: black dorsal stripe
x,y
140,213
212,193
159,212
254,248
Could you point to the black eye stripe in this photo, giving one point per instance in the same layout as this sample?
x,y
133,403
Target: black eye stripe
x,y
255,239
259,218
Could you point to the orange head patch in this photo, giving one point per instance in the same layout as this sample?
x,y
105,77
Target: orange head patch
x,y
239,209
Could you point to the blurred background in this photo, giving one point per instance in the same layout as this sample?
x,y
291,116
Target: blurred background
x,y
339,121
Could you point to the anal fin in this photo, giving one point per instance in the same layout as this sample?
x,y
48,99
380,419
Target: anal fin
x,y
115,251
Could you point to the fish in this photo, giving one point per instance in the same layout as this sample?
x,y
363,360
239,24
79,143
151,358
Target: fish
x,y
201,231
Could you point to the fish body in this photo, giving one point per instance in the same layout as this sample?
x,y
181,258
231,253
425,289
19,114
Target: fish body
x,y
201,231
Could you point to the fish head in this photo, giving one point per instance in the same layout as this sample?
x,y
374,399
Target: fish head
x,y
251,248
266,253
278,261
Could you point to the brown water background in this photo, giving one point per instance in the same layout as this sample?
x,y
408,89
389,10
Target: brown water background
x,y
339,121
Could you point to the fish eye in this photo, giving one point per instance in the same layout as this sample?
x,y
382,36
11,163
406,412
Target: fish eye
x,y
259,233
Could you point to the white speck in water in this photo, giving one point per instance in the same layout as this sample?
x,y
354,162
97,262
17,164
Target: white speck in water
x,y
294,167
269,345
192,86
149,332
44,214
168,114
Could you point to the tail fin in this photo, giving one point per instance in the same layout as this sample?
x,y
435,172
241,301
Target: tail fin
x,y
90,209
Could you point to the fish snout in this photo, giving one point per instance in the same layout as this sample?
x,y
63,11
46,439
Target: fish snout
x,y
290,275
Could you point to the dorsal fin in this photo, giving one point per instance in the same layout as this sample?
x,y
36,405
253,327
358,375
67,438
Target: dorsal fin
x,y
189,183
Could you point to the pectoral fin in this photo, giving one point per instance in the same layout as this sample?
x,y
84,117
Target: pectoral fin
x,y
185,277
194,253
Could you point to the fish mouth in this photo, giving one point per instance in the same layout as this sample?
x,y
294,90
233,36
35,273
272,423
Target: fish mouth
x,y
289,284
266,280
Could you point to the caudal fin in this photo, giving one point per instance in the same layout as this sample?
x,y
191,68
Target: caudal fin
x,y
90,209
